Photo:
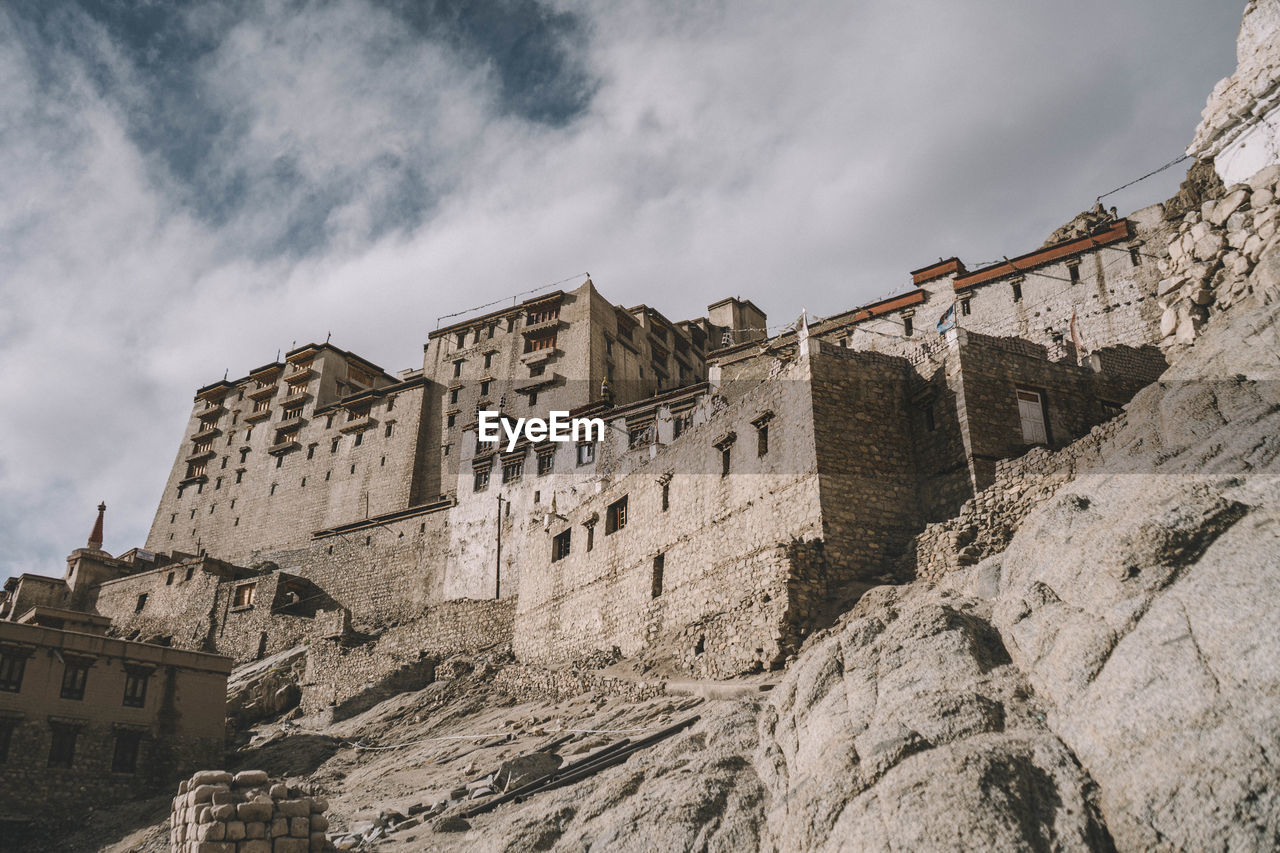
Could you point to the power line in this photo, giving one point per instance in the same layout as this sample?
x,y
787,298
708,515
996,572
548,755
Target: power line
x,y
513,297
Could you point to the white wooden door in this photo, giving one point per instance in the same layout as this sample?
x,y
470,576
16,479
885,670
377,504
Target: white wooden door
x,y
1031,412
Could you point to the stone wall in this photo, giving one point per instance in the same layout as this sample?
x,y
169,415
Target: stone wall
x,y
118,751
403,657
216,812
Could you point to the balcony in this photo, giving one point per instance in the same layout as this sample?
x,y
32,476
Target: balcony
x,y
203,454
299,371
538,355
358,424
296,398
206,432
259,415
282,447
264,393
288,424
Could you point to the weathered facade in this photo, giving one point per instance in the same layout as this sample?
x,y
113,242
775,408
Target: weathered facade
x,y
87,720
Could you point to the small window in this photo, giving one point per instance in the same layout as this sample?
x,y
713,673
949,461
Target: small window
x,y
217,484
245,594
168,580
1031,413
929,423
333,445
488,360
546,462
239,476
591,535
681,422
62,747
141,603
6,738
273,488
908,325
450,420
616,516
124,759
966,307
359,440
762,433
560,545
533,399
586,453
659,566
461,339
666,496
726,459
12,666
484,388
481,480
457,368
1135,256
190,571
453,394
244,454
1017,291
135,688
537,369
1073,271
311,451
279,461
387,432
74,677
512,471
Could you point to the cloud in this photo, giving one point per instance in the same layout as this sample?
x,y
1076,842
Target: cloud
x,y
188,188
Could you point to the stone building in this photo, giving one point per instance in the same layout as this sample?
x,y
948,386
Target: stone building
x,y
87,720
320,491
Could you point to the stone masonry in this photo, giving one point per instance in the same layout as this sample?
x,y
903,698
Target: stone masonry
x,y
216,812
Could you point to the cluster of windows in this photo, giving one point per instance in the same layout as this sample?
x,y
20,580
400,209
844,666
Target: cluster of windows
x,y
75,677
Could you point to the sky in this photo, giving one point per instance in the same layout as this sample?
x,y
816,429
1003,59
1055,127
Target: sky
x,y
188,188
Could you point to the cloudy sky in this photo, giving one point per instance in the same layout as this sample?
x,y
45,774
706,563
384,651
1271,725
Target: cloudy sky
x,y
189,187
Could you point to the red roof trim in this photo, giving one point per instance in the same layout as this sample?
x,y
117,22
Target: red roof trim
x,y
938,270
1040,257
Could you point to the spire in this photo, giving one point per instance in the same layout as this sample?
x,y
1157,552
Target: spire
x,y
95,538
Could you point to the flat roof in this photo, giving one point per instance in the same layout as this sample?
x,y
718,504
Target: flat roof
x,y
100,646
1047,255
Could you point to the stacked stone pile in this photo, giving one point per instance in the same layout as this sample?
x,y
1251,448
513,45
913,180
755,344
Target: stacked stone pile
x,y
1212,253
216,812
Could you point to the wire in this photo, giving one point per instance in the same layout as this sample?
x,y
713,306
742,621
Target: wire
x,y
1170,164
513,298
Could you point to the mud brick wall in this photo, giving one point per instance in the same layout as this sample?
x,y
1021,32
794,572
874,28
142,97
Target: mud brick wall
x,y
216,812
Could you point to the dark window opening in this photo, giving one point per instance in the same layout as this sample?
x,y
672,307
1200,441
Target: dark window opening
x,y
659,566
908,325
966,307
666,496
591,536
726,460
62,748
74,677
561,544
929,422
615,516
1135,256
124,758
12,666
142,602
6,738
1017,291
135,688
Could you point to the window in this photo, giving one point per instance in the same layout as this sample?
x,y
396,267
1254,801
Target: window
x,y
537,343
537,369
245,594
615,517
1031,413
560,545
1073,271
546,462
726,459
591,533
457,367
168,580
640,436
225,459
608,346
681,422
511,324
461,339
13,664
195,469
190,572
762,433
333,445
908,324
488,360
1017,291
543,315
74,676
261,405
386,433
512,470
659,565
929,423
586,453
125,757
135,687
359,440
62,749
6,738
239,476
481,479
204,446
485,385
453,394
966,307
297,388
142,599
450,420
244,454
666,496
1135,256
